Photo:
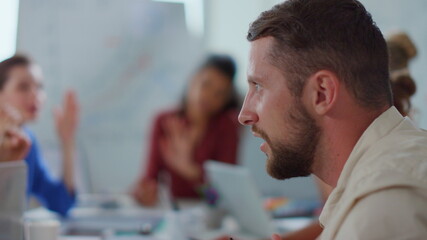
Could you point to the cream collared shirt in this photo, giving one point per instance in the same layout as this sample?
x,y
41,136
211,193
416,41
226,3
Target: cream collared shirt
x,y
382,190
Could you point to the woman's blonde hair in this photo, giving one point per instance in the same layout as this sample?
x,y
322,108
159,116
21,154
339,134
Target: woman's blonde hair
x,y
401,50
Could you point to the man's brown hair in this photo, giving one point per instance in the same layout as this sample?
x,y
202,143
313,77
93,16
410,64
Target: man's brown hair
x,y
335,35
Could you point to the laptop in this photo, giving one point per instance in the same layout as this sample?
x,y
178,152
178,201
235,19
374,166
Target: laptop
x,y
241,197
13,185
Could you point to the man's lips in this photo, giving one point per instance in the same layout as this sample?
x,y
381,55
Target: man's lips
x,y
263,146
256,134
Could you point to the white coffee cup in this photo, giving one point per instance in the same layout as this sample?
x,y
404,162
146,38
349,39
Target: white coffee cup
x,y
42,230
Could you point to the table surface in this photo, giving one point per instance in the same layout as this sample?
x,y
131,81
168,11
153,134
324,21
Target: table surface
x,y
107,212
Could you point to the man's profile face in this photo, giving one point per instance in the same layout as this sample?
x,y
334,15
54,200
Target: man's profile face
x,y
290,134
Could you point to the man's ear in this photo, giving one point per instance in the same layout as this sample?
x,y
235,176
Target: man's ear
x,y
322,89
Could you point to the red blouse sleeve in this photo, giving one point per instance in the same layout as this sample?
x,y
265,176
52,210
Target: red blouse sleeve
x,y
154,161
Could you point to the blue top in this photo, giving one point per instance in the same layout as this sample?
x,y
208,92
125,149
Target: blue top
x,y
52,193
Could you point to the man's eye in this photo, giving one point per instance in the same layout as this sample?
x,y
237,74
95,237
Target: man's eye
x,y
254,85
24,87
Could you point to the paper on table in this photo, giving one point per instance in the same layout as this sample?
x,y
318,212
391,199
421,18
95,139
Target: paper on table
x,y
79,238
111,238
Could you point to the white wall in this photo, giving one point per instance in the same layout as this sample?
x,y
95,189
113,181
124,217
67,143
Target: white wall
x,y
8,27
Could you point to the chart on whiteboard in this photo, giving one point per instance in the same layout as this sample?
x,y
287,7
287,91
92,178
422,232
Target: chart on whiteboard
x,y
126,60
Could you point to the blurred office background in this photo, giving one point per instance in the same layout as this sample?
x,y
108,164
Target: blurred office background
x,y
129,59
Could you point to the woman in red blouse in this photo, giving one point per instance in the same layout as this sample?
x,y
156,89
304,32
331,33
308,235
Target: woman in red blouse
x,y
204,128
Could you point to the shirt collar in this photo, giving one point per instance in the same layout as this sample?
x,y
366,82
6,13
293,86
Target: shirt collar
x,y
379,128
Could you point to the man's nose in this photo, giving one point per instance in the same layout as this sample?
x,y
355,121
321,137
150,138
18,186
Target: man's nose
x,y
247,116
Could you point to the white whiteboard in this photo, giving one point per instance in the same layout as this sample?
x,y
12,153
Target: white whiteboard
x,y
127,59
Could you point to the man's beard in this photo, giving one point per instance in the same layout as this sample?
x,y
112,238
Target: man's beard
x,y
295,157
